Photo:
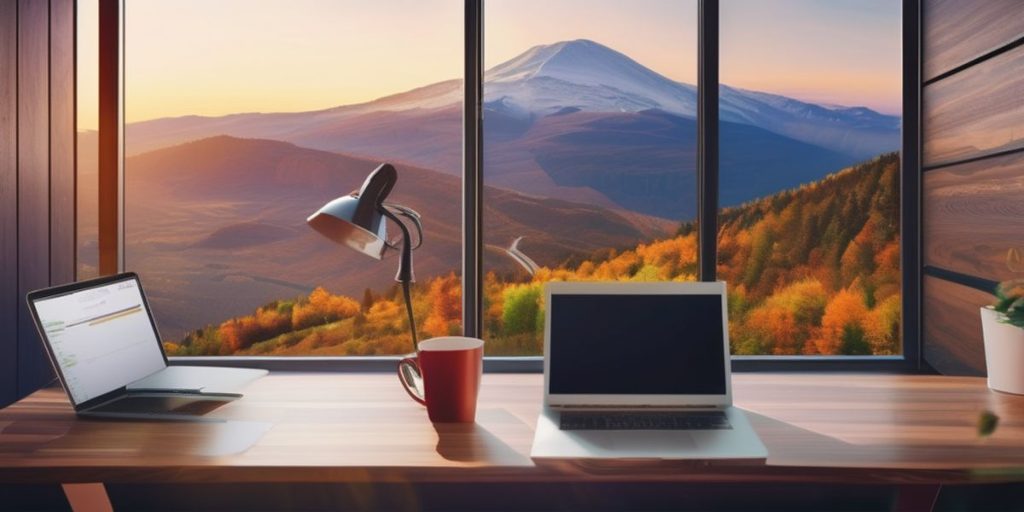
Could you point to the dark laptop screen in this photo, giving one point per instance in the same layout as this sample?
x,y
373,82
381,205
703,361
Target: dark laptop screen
x,y
636,345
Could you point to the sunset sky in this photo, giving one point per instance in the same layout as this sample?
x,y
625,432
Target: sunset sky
x,y
228,56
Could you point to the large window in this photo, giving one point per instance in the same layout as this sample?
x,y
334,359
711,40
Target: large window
x,y
87,119
589,152
242,118
810,123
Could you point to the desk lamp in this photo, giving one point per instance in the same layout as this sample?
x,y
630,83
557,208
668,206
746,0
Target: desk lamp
x,y
358,220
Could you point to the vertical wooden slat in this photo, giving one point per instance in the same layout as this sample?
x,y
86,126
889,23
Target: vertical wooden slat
x,y
33,183
8,201
62,141
109,110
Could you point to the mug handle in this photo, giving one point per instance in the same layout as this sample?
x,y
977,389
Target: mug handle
x,y
412,380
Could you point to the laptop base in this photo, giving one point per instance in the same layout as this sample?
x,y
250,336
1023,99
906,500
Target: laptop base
x,y
160,406
738,444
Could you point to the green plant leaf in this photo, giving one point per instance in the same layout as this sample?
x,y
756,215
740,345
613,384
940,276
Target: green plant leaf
x,y
987,423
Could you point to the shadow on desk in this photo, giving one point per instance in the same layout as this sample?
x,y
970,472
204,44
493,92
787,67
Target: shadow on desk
x,y
471,442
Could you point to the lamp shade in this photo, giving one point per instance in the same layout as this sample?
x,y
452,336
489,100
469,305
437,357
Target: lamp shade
x,y
357,220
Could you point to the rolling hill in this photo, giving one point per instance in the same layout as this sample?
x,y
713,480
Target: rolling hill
x,y
217,226
811,271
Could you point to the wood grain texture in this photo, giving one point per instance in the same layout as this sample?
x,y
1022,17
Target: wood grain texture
x,y
62,141
108,156
8,201
952,327
957,31
974,217
352,428
975,112
33,184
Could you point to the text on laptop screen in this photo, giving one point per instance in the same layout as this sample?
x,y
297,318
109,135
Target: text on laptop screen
x,y
101,338
637,345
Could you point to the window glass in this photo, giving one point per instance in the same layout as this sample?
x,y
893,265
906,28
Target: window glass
x,y
589,152
242,119
809,230
87,61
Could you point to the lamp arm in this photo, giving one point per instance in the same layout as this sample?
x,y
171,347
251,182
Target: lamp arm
x,y
405,274
410,214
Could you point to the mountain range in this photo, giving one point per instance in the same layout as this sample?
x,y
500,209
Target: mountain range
x,y
578,121
585,150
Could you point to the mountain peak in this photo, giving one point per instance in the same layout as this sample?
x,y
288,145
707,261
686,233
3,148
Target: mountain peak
x,y
579,61
585,75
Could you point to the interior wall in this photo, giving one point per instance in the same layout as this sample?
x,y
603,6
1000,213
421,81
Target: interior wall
x,y
37,177
972,131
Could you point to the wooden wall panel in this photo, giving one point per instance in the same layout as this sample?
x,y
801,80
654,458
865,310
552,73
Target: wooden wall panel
x,y
972,134
975,216
8,200
62,141
957,31
37,177
977,111
952,327
33,182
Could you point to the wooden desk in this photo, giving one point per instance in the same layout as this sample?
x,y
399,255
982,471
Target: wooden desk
x,y
350,428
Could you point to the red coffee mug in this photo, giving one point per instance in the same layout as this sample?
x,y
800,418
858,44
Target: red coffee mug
x,y
450,368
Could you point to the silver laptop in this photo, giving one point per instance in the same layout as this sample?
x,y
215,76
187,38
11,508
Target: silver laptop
x,y
640,371
103,343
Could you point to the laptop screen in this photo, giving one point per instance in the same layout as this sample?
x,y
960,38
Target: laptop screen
x,y
101,338
627,344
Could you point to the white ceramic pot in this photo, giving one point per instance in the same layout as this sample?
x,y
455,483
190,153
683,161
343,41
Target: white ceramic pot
x,y
1004,352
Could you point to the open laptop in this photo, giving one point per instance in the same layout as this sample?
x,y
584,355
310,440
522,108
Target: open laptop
x,y
640,371
104,345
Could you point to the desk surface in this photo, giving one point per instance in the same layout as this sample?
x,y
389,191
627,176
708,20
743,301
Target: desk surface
x,y
294,427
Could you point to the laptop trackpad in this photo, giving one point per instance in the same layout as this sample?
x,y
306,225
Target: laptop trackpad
x,y
638,443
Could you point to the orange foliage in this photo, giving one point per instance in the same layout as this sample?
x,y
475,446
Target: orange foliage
x,y
846,310
242,332
387,316
814,270
321,308
445,299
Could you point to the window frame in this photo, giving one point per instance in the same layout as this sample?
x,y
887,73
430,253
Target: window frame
x,y
112,226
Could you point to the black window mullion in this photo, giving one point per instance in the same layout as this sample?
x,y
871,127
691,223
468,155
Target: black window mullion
x,y
910,187
707,138
472,172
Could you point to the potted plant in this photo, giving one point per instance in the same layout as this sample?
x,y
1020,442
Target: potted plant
x,y
1002,325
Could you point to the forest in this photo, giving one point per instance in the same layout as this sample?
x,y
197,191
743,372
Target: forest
x,y
811,271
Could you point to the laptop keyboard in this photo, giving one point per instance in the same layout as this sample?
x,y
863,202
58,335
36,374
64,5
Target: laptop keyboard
x,y
661,420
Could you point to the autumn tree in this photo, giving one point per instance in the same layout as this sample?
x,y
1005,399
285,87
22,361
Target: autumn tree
x,y
322,307
445,300
842,324
522,304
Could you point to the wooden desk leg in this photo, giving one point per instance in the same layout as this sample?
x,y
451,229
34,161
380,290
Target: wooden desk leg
x,y
916,498
87,497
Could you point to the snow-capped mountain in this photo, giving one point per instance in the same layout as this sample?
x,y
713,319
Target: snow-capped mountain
x,y
587,76
579,121
579,75
584,75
